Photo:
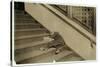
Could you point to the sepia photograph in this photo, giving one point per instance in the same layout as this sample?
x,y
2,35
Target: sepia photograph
x,y
48,33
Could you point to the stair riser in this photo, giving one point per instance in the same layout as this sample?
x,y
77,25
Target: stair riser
x,y
26,21
28,26
18,11
37,59
22,16
50,57
25,33
25,56
28,49
32,36
44,58
29,40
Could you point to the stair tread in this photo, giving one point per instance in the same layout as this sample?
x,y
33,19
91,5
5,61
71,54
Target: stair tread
x,y
56,56
31,44
62,54
30,36
32,54
26,17
27,23
22,20
16,10
21,14
30,29
17,14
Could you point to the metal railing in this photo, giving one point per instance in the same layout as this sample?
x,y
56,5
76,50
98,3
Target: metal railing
x,y
84,16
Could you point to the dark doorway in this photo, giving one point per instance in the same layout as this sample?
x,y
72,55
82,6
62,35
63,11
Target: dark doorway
x,y
19,5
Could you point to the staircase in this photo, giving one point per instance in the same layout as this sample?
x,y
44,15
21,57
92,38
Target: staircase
x,y
32,40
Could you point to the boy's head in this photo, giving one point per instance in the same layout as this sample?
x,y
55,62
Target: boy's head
x,y
53,34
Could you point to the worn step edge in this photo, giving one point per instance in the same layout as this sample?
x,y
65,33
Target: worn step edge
x,y
31,54
31,36
26,24
56,56
62,54
35,29
30,44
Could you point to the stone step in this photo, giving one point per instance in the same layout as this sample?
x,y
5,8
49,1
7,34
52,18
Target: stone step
x,y
26,55
55,57
48,57
25,21
19,11
17,14
27,41
24,18
36,29
20,14
20,24
31,44
31,36
34,32
62,54
43,58
28,26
